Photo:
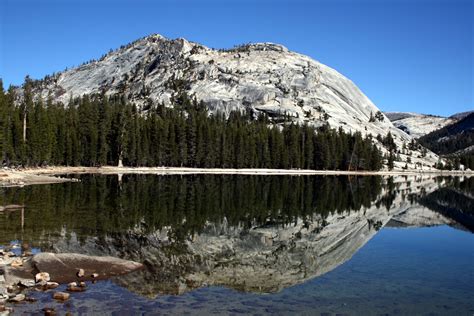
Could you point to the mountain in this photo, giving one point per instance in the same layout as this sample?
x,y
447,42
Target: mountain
x,y
461,115
418,125
452,139
262,77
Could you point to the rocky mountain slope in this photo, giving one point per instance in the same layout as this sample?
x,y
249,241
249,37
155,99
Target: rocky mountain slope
x,y
461,115
262,77
418,125
457,138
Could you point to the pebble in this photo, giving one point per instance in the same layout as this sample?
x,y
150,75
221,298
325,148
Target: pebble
x,y
17,263
75,289
27,283
62,296
17,298
42,276
5,310
51,285
81,273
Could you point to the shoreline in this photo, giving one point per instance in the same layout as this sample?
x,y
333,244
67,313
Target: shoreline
x,y
48,175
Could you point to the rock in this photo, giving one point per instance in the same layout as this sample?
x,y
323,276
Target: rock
x,y
49,311
17,298
61,296
63,266
94,275
42,276
80,273
27,283
2,278
4,311
16,263
75,289
47,285
51,285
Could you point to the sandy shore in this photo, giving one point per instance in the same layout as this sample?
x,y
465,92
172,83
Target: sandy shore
x,y
10,177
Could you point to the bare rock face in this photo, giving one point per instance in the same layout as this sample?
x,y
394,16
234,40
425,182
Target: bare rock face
x,y
63,267
418,125
263,78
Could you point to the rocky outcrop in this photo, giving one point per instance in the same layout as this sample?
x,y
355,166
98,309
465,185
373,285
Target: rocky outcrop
x,y
418,125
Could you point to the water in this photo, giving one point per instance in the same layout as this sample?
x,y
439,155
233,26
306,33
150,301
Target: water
x,y
258,244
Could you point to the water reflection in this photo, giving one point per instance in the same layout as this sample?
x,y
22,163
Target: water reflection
x,y
250,233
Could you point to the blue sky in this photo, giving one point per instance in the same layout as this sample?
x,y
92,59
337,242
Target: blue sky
x,y
404,55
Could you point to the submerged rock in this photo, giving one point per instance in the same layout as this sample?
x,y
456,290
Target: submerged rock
x,y
49,311
61,296
63,267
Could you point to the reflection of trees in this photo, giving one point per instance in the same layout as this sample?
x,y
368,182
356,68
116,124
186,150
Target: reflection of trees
x,y
454,201
100,205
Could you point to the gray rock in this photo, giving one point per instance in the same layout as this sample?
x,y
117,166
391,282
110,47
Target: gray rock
x,y
63,267
17,298
27,283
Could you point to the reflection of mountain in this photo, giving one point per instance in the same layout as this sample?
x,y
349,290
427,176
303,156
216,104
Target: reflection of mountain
x,y
452,205
419,216
295,242
455,203
262,257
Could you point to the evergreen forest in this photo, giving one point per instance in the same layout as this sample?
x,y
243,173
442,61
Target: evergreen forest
x,y
99,130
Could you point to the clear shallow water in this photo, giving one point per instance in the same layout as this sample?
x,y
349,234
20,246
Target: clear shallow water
x,y
309,254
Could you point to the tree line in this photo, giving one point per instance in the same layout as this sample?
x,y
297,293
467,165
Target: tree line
x,y
97,130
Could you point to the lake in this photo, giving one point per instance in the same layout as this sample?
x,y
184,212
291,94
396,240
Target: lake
x,y
233,244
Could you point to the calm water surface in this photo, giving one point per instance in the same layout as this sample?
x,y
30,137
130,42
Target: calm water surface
x,y
258,245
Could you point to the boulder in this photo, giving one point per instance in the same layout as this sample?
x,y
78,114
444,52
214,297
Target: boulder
x,y
64,267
